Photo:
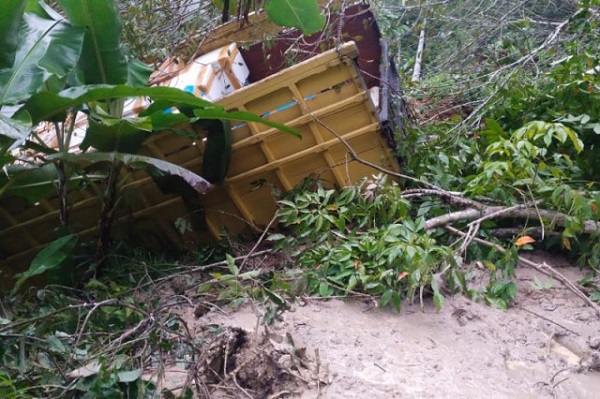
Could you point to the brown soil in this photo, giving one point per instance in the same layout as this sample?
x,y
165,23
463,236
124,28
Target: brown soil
x,y
546,346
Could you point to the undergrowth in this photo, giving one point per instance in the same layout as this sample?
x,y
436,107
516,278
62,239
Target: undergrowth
x,y
117,335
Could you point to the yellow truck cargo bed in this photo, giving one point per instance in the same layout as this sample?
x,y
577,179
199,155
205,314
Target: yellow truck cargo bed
x,y
324,97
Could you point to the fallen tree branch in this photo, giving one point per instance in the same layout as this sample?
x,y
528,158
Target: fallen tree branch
x,y
455,198
542,268
589,226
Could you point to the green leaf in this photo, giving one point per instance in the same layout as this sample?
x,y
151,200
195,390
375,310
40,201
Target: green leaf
x,y
49,258
577,143
323,289
55,344
215,113
493,129
233,269
129,376
14,132
121,135
197,182
386,298
46,106
31,182
217,151
301,14
40,8
438,300
276,237
10,19
396,301
276,298
46,48
102,59
139,73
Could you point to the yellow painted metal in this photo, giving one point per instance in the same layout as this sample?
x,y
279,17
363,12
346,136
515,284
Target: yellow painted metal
x,y
318,96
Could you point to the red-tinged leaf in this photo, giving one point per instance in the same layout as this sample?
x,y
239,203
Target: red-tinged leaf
x,y
523,240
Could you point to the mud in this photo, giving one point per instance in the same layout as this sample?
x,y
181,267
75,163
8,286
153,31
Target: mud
x,y
545,346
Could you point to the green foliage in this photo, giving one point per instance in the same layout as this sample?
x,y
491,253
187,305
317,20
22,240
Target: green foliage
x,y
362,238
44,354
46,50
567,94
50,258
102,58
301,14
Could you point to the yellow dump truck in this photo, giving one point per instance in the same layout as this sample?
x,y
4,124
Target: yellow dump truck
x,y
336,89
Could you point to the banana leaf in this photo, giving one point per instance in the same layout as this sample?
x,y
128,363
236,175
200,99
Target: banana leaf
x,y
102,58
45,49
34,182
303,15
138,161
10,20
45,106
12,133
121,135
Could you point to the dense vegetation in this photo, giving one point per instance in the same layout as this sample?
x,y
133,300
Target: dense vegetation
x,y
505,116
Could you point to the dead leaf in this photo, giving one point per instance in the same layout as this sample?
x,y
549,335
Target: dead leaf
x,y
566,243
89,369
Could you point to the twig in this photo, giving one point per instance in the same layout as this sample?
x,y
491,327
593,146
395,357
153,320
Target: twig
x,y
379,367
240,387
260,239
548,320
194,269
47,315
544,268
98,305
365,162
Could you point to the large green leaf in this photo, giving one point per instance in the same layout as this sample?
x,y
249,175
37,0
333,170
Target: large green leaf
x,y
12,132
10,20
102,59
50,258
139,73
243,116
34,182
142,162
217,150
121,135
42,9
46,106
46,48
303,15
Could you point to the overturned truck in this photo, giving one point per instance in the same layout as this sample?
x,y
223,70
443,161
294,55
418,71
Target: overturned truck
x,y
338,88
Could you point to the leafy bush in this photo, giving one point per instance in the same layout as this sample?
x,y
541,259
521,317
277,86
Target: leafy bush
x,y
362,238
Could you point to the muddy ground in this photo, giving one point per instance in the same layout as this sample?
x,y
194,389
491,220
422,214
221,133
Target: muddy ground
x,y
546,346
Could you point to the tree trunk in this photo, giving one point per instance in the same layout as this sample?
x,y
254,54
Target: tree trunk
x,y
416,76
